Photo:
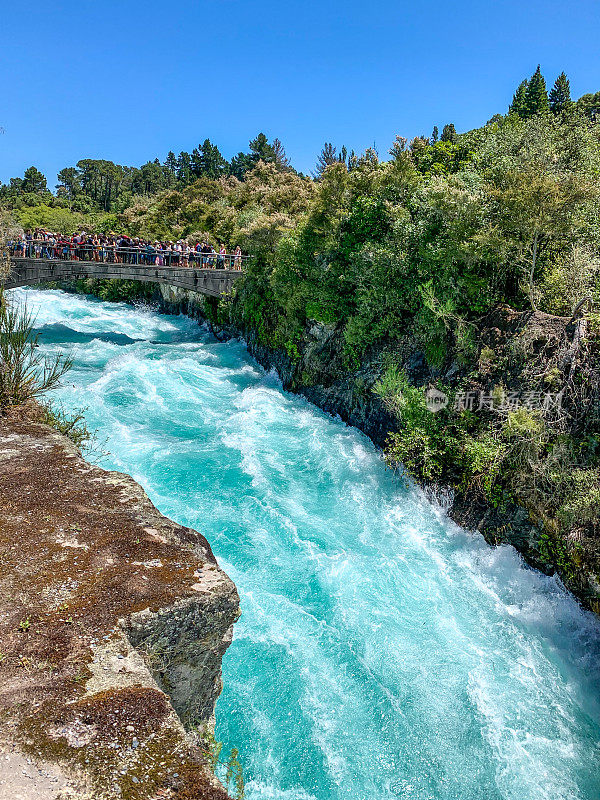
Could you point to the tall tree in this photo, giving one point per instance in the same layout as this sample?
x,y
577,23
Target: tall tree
x,y
519,105
536,95
241,164
279,155
151,176
327,157
171,162
435,134
261,149
34,181
449,134
559,99
184,168
69,181
213,163
169,169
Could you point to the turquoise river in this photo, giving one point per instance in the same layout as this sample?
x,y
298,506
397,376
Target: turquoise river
x,y
382,651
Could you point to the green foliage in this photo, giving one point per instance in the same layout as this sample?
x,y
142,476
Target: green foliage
x,y
570,279
73,426
580,504
234,776
536,95
56,218
559,99
449,134
589,106
34,181
555,553
93,185
519,103
24,373
425,444
232,768
211,749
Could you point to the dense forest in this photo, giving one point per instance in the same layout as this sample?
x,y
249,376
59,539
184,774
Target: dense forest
x,y
416,249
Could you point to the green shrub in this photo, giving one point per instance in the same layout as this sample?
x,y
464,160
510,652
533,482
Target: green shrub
x,y
25,373
581,506
424,444
73,426
555,553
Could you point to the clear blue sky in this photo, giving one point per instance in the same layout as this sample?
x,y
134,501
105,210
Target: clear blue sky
x,y
129,80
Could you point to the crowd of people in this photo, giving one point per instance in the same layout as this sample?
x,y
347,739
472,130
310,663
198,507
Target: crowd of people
x,y
113,249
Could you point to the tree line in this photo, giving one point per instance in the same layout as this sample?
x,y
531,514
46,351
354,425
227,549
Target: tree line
x,y
102,184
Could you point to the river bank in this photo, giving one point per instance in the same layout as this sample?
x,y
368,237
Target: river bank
x,y
510,343
113,624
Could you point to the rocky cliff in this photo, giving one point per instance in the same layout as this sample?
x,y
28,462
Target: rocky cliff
x,y
113,624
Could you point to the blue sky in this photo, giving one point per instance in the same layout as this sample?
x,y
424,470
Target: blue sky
x,y
129,80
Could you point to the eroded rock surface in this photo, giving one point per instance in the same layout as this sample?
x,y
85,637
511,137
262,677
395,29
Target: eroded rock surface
x,y
112,619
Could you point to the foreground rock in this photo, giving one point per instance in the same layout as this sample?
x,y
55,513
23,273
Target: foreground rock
x,y
113,624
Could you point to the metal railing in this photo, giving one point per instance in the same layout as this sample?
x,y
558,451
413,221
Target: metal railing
x,y
140,255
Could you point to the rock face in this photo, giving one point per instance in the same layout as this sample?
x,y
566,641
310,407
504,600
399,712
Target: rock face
x,y
113,624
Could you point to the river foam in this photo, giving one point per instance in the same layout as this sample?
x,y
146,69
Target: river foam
x,y
382,652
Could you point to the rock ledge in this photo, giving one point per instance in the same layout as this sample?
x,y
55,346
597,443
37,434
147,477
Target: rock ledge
x,y
113,624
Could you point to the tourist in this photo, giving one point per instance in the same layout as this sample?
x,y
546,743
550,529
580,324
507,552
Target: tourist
x,y
122,249
221,257
237,257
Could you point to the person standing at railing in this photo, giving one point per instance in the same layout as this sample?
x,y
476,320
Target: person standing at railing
x,y
204,250
211,257
237,258
221,257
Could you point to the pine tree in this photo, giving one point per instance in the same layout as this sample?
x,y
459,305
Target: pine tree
x,y
536,96
435,135
213,165
169,169
279,155
171,162
241,164
560,96
34,181
518,105
449,134
184,170
327,157
261,149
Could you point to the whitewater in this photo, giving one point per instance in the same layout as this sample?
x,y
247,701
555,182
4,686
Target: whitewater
x,y
382,652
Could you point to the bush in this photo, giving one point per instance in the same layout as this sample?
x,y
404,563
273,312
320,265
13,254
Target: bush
x,y
73,426
581,505
24,373
425,444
